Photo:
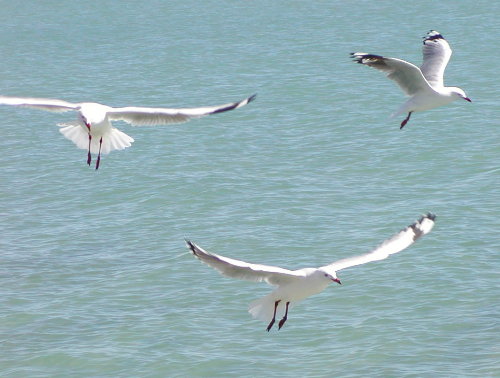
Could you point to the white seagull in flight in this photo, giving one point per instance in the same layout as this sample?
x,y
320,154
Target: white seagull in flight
x,y
93,130
424,85
296,285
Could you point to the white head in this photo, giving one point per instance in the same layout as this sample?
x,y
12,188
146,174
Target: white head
x,y
459,93
330,276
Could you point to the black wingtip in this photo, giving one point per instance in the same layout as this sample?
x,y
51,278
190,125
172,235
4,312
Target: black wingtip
x,y
432,35
361,57
190,245
357,58
236,105
431,216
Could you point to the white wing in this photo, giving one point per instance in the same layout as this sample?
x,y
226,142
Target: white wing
x,y
242,270
395,244
159,116
406,75
48,104
437,53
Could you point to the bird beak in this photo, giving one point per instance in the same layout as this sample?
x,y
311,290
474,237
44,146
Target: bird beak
x,y
337,281
467,99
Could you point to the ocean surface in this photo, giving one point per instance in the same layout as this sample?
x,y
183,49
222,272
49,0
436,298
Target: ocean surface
x,y
95,278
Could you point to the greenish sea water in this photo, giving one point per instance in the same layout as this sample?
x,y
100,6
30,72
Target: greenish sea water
x,y
94,279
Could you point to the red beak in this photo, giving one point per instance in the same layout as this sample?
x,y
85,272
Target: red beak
x,y
337,281
467,99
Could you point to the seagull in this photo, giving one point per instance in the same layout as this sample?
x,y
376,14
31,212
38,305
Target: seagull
x,y
296,285
93,130
424,85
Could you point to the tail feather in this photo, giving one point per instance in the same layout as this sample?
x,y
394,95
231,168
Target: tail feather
x,y
405,107
115,140
112,140
263,308
75,133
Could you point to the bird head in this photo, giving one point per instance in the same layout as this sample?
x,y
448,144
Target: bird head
x,y
459,93
332,277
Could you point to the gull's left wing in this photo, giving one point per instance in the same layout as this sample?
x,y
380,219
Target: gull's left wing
x,y
242,270
138,116
408,76
395,244
48,104
437,53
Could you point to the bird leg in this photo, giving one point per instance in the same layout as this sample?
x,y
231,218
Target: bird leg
x,y
282,321
274,315
98,155
405,121
89,156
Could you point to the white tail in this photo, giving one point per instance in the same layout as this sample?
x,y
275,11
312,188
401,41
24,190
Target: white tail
x,y
114,139
74,132
263,308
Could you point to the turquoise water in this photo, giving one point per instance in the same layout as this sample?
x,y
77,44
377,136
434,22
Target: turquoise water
x,y
93,276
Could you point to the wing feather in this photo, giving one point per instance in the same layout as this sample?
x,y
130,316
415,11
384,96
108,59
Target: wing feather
x,y
406,75
436,55
242,270
395,244
159,116
51,105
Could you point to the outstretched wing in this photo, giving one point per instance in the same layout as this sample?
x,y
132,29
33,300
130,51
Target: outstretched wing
x,y
159,116
242,270
48,104
406,75
395,244
437,53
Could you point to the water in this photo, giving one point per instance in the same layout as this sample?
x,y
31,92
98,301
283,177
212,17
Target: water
x,y
93,279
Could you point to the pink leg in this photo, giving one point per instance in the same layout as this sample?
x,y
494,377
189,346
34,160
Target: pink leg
x,y
89,157
274,316
282,321
405,121
99,155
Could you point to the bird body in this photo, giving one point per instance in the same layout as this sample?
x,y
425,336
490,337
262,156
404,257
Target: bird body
x,y
93,120
307,282
430,99
310,281
93,129
424,85
296,285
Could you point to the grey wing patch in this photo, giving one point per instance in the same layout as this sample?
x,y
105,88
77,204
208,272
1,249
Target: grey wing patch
x,y
139,117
